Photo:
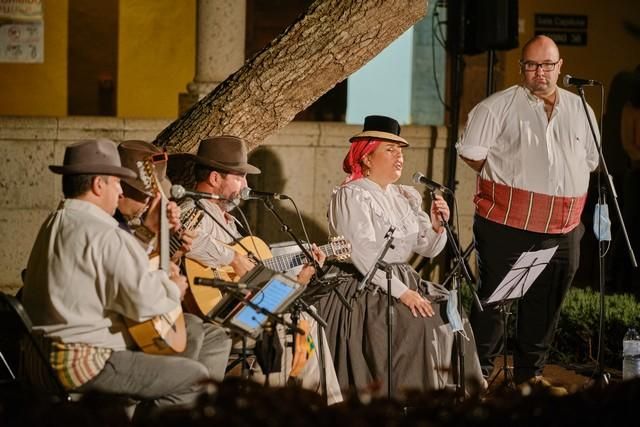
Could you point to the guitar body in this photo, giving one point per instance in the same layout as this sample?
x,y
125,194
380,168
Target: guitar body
x,y
256,245
164,334
200,299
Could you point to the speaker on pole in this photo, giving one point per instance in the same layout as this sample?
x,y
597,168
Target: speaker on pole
x,y
478,26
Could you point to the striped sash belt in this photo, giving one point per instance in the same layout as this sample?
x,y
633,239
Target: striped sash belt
x,y
526,210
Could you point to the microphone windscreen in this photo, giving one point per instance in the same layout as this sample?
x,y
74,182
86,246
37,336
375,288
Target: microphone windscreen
x,y
566,81
417,178
177,191
245,193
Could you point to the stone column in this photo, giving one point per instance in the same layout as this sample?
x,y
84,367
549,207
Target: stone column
x,y
220,37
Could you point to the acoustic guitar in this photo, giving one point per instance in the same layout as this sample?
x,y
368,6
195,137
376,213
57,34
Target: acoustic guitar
x,y
202,299
165,333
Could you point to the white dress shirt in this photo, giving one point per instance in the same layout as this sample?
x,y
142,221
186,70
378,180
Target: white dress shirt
x,y
211,245
85,273
526,150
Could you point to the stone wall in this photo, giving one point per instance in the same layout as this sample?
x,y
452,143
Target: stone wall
x,y
304,161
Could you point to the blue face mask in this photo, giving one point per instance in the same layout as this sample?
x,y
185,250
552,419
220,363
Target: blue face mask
x,y
452,312
602,223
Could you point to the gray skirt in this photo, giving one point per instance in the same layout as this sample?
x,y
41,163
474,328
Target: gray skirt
x,y
422,348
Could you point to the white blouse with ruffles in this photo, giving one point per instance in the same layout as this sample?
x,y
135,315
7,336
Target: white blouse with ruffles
x,y
362,212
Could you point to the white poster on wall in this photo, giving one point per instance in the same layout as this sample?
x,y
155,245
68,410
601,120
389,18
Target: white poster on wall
x,y
21,31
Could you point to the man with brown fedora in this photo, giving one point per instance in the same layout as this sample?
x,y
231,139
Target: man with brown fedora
x,y
86,275
206,342
138,207
221,167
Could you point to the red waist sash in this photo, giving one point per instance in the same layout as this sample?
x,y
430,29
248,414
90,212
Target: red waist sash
x,y
527,210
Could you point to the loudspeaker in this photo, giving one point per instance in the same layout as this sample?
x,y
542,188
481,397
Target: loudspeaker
x,y
475,26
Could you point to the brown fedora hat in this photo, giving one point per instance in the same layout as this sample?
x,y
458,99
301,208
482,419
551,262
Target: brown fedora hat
x,y
225,153
134,151
381,127
95,157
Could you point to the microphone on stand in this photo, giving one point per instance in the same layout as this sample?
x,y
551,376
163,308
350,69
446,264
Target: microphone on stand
x,y
570,81
219,283
249,194
419,178
179,192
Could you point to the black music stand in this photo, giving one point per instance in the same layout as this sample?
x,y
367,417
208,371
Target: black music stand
x,y
514,286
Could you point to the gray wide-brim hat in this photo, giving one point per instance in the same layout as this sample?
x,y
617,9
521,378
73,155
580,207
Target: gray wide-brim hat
x,y
224,153
94,157
381,127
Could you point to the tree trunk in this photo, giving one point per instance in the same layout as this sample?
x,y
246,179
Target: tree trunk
x,y
330,41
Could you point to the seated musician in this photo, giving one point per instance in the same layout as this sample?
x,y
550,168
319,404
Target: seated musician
x,y
221,169
137,213
86,276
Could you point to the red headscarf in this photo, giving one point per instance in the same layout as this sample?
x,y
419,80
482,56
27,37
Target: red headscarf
x,y
352,162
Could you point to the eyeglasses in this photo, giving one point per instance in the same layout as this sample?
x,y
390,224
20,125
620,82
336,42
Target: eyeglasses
x,y
533,66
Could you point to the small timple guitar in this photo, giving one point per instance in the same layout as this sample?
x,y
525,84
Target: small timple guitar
x,y
204,298
166,333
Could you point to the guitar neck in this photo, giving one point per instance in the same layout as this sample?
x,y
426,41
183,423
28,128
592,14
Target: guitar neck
x,y
163,238
189,220
288,261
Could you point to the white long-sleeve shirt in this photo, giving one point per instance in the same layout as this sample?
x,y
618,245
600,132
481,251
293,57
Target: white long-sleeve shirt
x,y
362,212
85,273
211,246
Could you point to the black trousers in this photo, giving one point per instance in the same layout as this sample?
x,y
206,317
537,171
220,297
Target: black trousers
x,y
498,248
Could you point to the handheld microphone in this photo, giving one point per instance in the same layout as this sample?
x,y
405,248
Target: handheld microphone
x,y
569,81
419,178
218,283
179,192
249,194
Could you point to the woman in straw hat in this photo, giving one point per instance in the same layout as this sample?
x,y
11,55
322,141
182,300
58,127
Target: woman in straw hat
x,y
363,209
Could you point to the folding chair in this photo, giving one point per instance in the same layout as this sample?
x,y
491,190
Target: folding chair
x,y
22,352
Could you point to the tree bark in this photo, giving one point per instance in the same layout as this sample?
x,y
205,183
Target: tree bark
x,y
329,42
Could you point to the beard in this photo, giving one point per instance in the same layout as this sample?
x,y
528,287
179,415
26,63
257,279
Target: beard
x,y
230,204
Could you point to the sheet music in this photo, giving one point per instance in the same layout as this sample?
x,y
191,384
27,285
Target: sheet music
x,y
523,273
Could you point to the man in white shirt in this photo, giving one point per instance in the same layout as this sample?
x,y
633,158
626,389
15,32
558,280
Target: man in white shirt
x,y
533,150
221,169
86,276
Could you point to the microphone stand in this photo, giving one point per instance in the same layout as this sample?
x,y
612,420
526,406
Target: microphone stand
x,y
467,252
386,267
285,228
301,304
460,265
235,239
603,377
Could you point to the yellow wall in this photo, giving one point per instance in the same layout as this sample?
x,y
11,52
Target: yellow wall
x,y
610,48
156,57
40,89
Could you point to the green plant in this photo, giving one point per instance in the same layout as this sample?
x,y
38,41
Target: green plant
x,y
577,333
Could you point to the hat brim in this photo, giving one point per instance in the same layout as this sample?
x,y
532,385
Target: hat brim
x,y
242,168
136,184
385,136
95,169
165,184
